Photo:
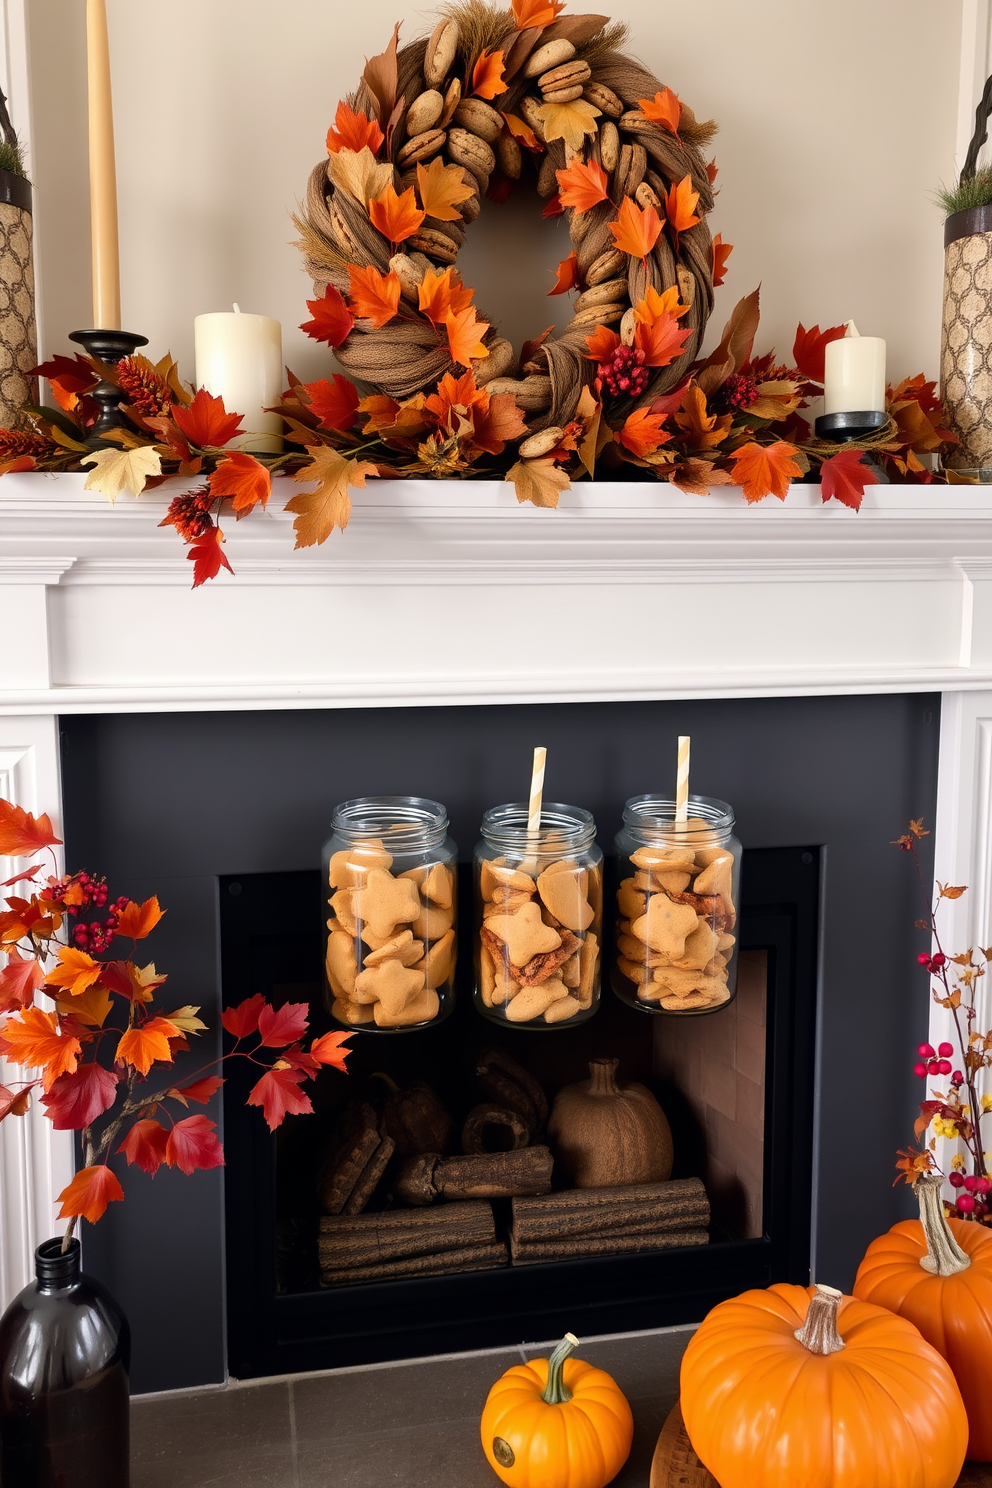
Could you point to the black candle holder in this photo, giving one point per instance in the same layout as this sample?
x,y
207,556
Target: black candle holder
x,y
108,347
839,427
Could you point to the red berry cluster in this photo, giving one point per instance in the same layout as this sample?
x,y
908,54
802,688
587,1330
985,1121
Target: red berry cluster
x,y
98,934
92,891
190,514
934,962
937,1062
974,1200
738,391
624,374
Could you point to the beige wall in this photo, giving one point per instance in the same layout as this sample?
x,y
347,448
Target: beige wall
x,y
837,120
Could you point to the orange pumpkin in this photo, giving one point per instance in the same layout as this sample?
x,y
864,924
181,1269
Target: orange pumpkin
x,y
938,1274
557,1423
800,1387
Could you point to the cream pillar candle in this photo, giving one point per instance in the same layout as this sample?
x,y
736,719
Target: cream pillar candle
x,y
103,174
239,359
854,373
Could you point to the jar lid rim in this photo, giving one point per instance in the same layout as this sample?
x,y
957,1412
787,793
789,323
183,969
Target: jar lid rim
x,y
656,813
509,821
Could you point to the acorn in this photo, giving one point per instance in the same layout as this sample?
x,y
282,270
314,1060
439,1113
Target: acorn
x,y
475,115
435,244
424,112
609,146
441,51
473,153
603,98
541,444
510,156
551,54
421,147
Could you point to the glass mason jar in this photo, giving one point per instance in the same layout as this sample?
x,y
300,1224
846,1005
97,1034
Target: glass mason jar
x,y
539,906
677,894
390,875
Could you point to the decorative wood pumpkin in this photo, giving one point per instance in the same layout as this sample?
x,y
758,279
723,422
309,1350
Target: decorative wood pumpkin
x,y
606,1133
414,1118
938,1273
800,1387
556,1423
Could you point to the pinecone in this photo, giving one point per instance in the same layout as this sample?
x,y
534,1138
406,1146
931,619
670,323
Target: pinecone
x,y
15,442
190,514
145,390
624,374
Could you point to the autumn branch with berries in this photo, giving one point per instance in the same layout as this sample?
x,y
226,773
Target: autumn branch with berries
x,y
82,1021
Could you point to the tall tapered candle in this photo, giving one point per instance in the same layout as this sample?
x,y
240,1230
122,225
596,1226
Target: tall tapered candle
x,y
103,173
682,782
536,792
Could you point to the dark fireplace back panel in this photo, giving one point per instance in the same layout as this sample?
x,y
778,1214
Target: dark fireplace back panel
x,y
308,1328
165,803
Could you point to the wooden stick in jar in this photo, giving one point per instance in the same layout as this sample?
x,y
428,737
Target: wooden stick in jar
x,y
536,794
682,782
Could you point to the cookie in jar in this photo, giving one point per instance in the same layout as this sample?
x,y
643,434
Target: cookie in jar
x,y
539,908
676,909
391,892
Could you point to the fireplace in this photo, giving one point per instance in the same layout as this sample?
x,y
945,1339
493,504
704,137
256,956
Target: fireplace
x,y
755,1158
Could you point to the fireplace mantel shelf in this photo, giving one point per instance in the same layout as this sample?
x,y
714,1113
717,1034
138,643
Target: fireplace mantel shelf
x,y
449,592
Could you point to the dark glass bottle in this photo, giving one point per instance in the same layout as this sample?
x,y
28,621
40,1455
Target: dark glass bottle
x,y
65,1349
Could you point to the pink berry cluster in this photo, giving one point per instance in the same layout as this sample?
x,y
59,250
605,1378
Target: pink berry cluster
x,y
974,1199
937,1062
624,374
97,935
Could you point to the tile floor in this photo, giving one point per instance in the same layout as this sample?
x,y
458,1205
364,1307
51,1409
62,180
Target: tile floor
x,y
400,1424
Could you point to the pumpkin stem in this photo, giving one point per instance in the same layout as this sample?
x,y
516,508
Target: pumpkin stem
x,y
394,1089
555,1392
944,1255
819,1332
601,1076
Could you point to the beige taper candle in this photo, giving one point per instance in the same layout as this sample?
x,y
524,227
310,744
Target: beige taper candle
x,y
103,173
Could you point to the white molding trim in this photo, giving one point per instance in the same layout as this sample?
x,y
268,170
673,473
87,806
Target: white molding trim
x,y
36,1162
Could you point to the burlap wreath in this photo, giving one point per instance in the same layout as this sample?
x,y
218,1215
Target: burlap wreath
x,y
418,94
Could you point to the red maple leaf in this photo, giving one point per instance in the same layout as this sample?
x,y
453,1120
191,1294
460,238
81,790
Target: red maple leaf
x,y
89,1193
19,981
22,834
809,347
242,1020
76,1100
844,477
15,1102
332,320
145,1144
329,1049
554,207
198,1090
335,403
208,556
192,1145
280,1026
68,374
278,1093
206,421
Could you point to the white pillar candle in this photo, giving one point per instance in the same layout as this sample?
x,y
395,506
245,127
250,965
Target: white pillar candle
x,y
239,359
854,373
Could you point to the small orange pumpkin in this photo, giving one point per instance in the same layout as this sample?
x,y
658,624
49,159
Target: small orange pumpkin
x,y
800,1387
938,1273
557,1423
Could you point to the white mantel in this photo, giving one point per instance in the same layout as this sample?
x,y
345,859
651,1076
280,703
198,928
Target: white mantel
x,y
445,591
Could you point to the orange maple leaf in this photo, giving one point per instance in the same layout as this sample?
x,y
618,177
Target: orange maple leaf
x,y
582,186
680,205
396,217
351,131
456,392
664,109
147,1042
440,295
465,333
643,432
442,188
636,229
32,1037
661,341
765,470
487,75
522,131
719,253
135,921
704,429
89,1193
567,275
22,834
602,343
243,478
655,306
75,972
528,13
373,296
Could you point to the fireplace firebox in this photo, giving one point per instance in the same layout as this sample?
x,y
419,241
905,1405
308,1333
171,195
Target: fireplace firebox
x,y
737,1087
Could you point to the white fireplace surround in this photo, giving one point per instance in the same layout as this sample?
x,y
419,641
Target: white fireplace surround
x,y
449,592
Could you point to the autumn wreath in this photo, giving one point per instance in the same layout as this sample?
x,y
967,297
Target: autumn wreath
x,y
493,99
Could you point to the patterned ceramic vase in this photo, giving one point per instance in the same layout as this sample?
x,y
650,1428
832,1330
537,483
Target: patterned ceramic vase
x,y
966,336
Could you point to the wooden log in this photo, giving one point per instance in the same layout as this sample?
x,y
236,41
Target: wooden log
x,y
467,1258
353,1142
597,1211
368,1179
600,1245
369,1238
492,1128
488,1175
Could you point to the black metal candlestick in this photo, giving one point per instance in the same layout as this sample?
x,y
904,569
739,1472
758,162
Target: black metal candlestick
x,y
839,427
109,347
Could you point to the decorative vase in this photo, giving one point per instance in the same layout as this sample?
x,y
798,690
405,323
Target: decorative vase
x,y
65,1348
966,335
18,336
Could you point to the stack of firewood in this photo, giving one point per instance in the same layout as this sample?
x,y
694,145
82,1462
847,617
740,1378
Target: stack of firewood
x,y
409,1242
609,1221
